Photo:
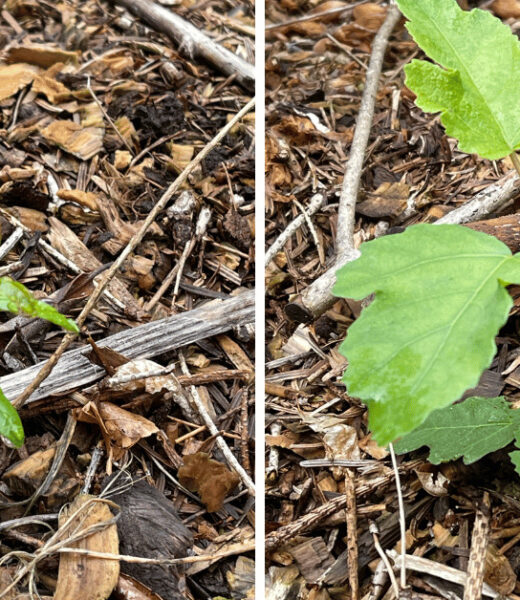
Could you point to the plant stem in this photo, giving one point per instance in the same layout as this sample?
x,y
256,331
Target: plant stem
x,y
516,161
402,517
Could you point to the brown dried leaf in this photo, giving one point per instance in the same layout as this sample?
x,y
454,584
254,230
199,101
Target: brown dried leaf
x,y
41,55
6,578
105,357
26,475
329,5
81,577
121,428
298,130
128,588
389,200
369,15
14,77
212,480
235,354
34,220
83,142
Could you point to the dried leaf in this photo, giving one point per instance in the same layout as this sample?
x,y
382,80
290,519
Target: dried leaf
x,y
81,577
389,200
41,55
121,428
506,9
498,572
212,480
128,588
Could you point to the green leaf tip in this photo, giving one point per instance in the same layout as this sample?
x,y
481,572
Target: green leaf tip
x,y
425,339
477,84
16,298
470,429
10,424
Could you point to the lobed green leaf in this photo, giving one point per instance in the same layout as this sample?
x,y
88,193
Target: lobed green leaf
x,y
470,429
425,339
477,84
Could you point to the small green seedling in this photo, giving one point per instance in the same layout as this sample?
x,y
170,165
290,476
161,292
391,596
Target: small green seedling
x,y
439,290
15,298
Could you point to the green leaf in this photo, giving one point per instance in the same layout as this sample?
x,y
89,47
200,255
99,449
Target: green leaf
x,y
470,429
15,298
478,87
515,459
10,424
429,333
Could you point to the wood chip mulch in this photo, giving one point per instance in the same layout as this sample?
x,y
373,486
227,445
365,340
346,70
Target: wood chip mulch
x,y
315,70
98,115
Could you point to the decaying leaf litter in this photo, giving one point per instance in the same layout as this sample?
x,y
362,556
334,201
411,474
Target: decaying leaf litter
x,y
318,68
100,114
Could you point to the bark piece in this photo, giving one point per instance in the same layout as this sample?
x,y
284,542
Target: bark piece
x,y
313,558
14,78
150,527
83,142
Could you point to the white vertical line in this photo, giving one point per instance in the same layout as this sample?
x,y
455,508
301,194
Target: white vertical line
x,y
260,299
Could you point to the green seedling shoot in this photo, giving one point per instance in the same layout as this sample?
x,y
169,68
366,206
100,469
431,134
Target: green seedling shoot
x,y
15,298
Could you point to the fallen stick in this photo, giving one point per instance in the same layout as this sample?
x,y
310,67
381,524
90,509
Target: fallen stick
x,y
317,297
352,178
74,369
213,429
424,565
191,40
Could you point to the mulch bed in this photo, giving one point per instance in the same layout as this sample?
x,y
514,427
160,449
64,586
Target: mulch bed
x,y
99,114
412,173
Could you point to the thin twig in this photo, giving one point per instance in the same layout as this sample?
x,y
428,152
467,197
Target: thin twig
x,y
212,428
314,17
352,541
424,565
11,242
352,178
314,205
130,247
107,117
375,535
402,515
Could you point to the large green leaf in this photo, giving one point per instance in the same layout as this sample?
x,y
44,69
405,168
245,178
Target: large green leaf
x,y
15,298
10,424
470,429
429,332
477,91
